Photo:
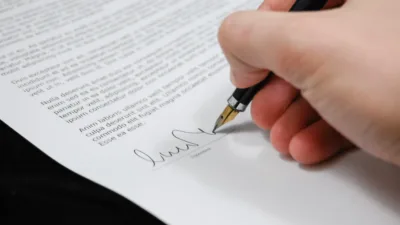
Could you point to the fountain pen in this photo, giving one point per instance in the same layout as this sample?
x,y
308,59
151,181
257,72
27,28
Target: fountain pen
x,y
241,98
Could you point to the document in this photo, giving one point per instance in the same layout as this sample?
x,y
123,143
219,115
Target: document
x,y
126,93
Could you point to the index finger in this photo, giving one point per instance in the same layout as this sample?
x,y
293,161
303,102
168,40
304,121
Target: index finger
x,y
244,72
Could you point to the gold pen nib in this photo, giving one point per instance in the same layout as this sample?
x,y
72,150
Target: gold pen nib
x,y
227,115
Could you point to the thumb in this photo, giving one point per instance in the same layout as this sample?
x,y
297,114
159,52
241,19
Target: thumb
x,y
292,45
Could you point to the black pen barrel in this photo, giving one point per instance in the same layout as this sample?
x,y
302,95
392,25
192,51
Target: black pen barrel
x,y
308,5
248,96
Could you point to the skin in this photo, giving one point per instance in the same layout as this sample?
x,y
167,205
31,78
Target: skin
x,y
337,75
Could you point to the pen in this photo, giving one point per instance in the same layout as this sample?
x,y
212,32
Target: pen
x,y
241,98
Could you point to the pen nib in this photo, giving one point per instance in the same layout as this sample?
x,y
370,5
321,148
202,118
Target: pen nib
x,y
227,115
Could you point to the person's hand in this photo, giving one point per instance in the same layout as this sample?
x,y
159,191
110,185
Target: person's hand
x,y
337,82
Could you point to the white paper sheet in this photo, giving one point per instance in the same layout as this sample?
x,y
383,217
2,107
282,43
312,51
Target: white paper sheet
x,y
126,93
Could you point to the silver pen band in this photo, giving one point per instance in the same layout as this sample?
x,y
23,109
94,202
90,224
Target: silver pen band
x,y
235,104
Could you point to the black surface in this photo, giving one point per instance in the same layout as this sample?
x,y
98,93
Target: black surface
x,y
34,189
246,95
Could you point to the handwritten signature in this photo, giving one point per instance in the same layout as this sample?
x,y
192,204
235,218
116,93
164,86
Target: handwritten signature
x,y
184,146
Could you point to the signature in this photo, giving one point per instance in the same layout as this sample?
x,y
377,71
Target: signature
x,y
185,144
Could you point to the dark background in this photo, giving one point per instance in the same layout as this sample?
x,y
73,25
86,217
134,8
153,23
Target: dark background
x,y
34,189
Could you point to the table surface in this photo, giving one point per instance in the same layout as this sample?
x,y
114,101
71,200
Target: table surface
x,y
36,189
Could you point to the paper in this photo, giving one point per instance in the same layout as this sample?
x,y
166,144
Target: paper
x,y
126,93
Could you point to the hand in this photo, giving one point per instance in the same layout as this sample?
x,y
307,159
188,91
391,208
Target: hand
x,y
337,82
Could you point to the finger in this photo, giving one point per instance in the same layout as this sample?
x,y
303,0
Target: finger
x,y
297,117
254,42
277,5
317,143
271,102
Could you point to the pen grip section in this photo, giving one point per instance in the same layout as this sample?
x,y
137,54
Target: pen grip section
x,y
239,93
246,95
252,91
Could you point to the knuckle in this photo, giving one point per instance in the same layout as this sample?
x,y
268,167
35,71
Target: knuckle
x,y
231,29
225,28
